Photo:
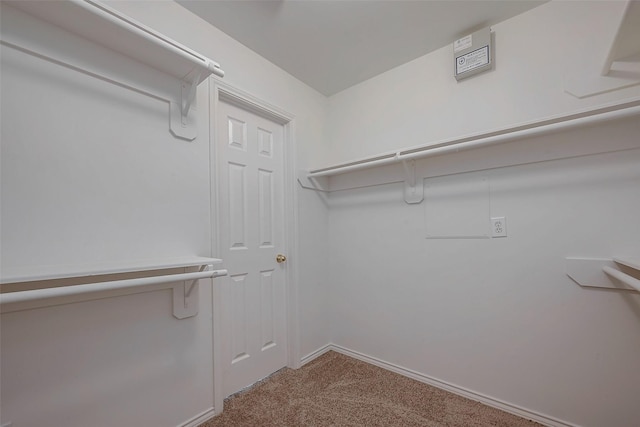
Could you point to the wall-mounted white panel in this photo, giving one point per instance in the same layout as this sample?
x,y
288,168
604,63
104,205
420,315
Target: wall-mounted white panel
x,y
457,207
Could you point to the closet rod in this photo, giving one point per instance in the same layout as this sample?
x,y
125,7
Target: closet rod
x,y
623,277
36,294
568,122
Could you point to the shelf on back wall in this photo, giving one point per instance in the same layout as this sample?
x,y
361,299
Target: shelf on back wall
x,y
319,179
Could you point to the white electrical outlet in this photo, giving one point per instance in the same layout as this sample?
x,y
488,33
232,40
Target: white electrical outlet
x,y
499,226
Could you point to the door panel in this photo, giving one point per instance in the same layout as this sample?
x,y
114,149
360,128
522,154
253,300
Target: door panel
x,y
250,161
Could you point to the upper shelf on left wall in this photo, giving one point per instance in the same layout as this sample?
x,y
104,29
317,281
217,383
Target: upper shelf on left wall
x,y
101,24
106,26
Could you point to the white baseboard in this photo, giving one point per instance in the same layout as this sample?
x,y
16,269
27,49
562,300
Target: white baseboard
x,y
200,418
315,354
461,391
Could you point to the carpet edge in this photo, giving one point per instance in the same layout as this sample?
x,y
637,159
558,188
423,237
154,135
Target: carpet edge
x,y
443,385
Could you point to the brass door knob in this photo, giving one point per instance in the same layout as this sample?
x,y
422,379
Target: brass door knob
x,y
281,258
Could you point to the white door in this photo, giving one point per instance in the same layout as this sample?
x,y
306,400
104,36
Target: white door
x,y
251,188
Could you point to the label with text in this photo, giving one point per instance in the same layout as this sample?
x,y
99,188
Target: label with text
x,y
472,60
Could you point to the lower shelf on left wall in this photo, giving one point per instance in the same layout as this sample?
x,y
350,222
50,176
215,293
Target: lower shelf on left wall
x,y
93,281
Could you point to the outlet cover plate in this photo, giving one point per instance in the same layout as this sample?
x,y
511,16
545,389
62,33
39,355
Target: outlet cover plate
x,y
499,226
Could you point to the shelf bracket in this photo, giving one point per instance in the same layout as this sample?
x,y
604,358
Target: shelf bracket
x,y
588,76
183,124
413,189
320,184
188,96
186,295
603,273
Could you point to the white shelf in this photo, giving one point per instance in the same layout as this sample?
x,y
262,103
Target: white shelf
x,y
185,287
103,25
52,272
319,179
602,114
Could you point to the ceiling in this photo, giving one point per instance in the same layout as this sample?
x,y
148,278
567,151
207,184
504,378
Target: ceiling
x,y
332,45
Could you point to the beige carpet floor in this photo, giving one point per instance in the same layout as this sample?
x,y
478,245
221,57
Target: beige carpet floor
x,y
337,390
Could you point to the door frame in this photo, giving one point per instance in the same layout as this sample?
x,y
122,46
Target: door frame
x,y
220,91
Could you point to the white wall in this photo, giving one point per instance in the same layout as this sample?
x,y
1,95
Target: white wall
x,y
90,173
498,317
